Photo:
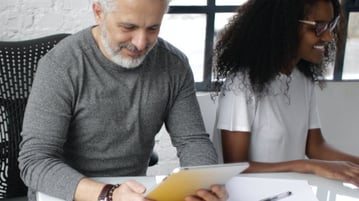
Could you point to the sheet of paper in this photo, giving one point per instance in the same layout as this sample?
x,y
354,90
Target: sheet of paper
x,y
255,189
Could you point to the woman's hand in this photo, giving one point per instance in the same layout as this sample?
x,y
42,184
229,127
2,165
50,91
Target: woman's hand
x,y
216,193
339,170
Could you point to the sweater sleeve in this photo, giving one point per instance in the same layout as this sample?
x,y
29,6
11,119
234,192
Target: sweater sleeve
x,y
185,125
45,125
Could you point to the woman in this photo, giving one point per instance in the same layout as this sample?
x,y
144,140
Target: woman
x,y
270,55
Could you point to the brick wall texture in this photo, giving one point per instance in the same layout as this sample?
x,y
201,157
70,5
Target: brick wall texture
x,y
26,19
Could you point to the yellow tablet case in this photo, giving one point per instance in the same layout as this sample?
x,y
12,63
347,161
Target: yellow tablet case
x,y
187,180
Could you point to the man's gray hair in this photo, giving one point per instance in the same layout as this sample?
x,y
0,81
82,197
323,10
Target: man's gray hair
x,y
108,5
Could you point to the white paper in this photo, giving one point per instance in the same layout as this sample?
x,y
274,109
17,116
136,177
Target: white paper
x,y
255,189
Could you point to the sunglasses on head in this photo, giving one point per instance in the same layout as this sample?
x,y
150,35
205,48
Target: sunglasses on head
x,y
320,27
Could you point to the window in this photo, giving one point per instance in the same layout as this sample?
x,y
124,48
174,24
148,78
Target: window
x,y
350,59
192,26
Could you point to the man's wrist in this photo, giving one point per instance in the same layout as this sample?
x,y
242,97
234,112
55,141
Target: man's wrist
x,y
110,192
106,193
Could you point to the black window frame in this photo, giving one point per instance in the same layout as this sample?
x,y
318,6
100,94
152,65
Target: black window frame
x,y
211,9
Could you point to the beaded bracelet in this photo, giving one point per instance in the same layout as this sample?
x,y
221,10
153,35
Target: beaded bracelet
x,y
104,192
110,192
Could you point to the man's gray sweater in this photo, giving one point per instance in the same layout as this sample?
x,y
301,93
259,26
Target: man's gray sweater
x,y
87,116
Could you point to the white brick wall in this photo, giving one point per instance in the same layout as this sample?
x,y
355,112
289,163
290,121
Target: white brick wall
x,y
26,19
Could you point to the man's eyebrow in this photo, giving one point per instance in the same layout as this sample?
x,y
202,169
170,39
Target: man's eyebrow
x,y
155,25
126,24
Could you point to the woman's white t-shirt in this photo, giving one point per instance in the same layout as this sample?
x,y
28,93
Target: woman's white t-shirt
x,y
278,122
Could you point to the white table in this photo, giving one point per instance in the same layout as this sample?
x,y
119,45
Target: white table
x,y
324,189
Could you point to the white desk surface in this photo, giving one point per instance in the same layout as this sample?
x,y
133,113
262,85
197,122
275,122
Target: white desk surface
x,y
324,189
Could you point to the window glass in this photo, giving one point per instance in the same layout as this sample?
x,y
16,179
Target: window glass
x,y
188,2
187,33
351,58
329,73
220,21
230,2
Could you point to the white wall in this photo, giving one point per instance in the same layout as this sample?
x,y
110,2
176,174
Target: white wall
x,y
27,19
339,111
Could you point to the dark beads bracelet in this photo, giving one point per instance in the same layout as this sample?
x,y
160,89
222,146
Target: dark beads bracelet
x,y
110,192
107,192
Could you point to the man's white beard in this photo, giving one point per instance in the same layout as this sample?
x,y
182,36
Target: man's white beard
x,y
115,55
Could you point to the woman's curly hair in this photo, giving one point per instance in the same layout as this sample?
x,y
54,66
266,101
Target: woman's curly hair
x,y
263,38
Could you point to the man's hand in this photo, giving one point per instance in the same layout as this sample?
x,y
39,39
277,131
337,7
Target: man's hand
x,y
130,190
216,193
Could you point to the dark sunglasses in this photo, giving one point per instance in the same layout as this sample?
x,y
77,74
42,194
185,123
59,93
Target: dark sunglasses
x,y
321,27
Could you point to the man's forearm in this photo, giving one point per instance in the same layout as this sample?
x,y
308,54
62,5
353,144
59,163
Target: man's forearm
x,y
88,190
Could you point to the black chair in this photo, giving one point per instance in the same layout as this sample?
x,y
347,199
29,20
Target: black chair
x,y
18,63
154,159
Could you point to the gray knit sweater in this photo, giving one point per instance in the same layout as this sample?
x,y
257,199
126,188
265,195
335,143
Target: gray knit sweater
x,y
87,116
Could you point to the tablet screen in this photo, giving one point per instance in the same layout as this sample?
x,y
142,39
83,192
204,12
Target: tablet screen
x,y
186,181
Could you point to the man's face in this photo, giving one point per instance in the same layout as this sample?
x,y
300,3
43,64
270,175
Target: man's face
x,y
130,30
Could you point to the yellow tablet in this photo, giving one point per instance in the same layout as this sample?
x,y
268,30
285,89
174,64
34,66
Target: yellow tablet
x,y
186,181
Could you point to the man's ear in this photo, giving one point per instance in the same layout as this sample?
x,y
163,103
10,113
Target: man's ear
x,y
98,12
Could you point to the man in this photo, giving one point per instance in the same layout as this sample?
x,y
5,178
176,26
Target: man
x,y
98,100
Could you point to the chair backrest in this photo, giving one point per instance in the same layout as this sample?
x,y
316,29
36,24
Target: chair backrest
x,y
18,63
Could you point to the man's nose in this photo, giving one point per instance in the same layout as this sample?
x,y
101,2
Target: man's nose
x,y
140,40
